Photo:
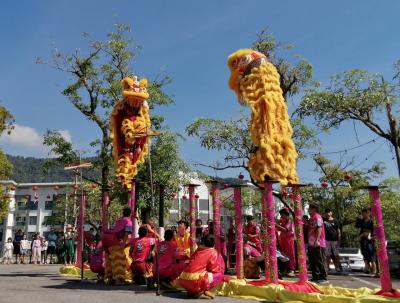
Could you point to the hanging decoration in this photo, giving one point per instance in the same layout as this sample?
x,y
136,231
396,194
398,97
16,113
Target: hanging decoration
x,y
130,126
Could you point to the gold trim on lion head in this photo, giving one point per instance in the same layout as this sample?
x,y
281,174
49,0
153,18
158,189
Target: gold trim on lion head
x,y
240,64
133,88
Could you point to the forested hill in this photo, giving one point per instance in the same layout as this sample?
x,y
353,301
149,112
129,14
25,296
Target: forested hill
x,y
28,169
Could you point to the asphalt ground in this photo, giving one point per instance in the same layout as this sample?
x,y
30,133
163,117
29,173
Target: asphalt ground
x,y
42,283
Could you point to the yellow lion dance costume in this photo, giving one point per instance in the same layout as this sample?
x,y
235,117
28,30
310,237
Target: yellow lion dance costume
x,y
130,125
256,83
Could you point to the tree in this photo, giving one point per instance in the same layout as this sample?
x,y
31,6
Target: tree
x,y
94,91
233,136
6,125
360,96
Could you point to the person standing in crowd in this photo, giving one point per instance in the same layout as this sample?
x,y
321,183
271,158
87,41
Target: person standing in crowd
x,y
52,242
203,272
199,231
231,247
182,239
253,232
36,248
17,246
60,248
305,231
316,246
152,229
25,248
69,246
286,240
367,245
45,246
332,237
8,251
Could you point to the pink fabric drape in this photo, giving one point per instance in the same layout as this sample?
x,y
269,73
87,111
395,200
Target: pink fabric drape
x,y
298,230
269,235
237,194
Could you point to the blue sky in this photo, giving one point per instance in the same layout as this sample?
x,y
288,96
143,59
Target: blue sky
x,y
191,41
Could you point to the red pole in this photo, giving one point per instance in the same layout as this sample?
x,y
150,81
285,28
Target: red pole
x,y
298,228
216,215
80,230
192,211
104,206
268,223
237,194
132,202
379,234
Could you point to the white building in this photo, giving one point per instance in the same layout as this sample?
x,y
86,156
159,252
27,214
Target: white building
x,y
29,206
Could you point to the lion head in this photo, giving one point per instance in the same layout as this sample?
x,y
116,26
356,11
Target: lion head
x,y
132,88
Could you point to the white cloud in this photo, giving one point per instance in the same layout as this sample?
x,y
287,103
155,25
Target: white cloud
x,y
28,138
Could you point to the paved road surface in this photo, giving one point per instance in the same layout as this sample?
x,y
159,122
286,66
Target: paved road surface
x,y
41,283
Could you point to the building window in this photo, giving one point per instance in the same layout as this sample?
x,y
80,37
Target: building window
x,y
33,205
21,205
1,235
20,221
48,205
32,220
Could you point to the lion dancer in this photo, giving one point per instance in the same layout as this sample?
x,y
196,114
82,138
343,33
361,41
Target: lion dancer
x,y
130,124
203,272
116,247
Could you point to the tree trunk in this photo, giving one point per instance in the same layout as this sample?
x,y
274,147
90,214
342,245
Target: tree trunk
x,y
397,152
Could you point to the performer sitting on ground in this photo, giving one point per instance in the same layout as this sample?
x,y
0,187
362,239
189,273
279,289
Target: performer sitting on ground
x,y
142,254
116,246
203,272
170,264
253,232
286,240
251,269
182,239
210,230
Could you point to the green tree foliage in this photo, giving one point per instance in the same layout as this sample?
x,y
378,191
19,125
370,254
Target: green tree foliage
x,y
233,136
357,95
6,125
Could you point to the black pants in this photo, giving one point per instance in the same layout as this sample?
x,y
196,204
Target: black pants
x,y
317,260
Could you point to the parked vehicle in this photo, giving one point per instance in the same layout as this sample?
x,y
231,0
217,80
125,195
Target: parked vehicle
x,y
393,251
350,258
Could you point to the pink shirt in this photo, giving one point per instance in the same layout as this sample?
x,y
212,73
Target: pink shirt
x,y
141,248
167,253
122,225
316,222
251,251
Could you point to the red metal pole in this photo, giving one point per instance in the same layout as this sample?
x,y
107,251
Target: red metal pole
x,y
268,223
237,194
104,206
192,211
216,203
79,260
298,228
132,202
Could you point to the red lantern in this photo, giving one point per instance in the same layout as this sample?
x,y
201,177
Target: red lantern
x,y
285,194
196,196
93,186
241,177
184,197
35,188
348,177
324,184
76,186
291,196
27,196
173,195
56,188
36,197
226,185
12,188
